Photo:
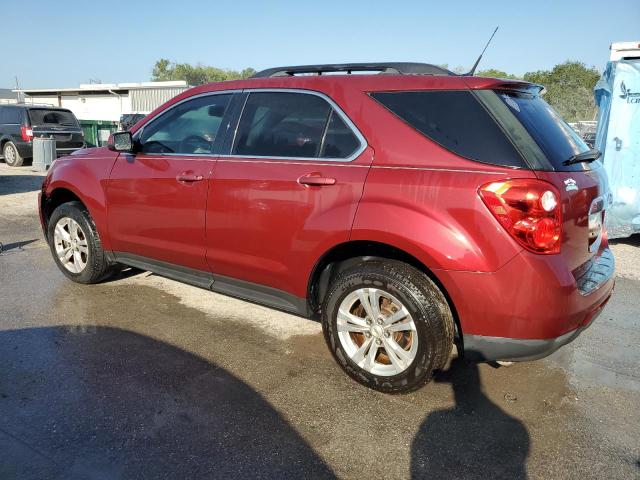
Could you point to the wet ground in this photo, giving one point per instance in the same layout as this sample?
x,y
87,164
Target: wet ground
x,y
143,377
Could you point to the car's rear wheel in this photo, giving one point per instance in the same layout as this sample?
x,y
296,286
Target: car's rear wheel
x,y
75,244
388,325
11,155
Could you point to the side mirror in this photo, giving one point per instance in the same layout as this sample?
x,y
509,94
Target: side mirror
x,y
120,142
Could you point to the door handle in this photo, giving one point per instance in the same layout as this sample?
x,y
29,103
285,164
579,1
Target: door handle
x,y
189,177
316,180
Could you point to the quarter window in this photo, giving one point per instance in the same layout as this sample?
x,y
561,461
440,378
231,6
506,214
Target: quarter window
x,y
10,115
294,125
188,128
455,120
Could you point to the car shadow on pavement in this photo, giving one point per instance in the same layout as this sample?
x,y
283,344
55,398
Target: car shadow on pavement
x,y
633,240
474,439
20,183
122,274
103,403
5,247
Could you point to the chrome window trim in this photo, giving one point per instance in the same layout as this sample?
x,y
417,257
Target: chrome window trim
x,y
334,106
350,125
140,131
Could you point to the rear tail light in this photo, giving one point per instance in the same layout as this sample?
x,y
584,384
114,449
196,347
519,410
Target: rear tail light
x,y
529,209
27,133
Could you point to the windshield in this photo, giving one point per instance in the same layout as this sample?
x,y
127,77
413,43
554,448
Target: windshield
x,y
556,139
45,117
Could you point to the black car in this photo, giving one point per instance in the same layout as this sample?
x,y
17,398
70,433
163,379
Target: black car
x,y
20,123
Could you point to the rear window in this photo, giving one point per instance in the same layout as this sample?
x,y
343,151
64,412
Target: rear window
x,y
457,121
43,117
555,138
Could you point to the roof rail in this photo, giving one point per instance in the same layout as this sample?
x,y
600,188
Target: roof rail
x,y
30,104
403,68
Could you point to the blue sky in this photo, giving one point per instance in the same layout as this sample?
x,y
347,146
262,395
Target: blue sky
x,y
65,43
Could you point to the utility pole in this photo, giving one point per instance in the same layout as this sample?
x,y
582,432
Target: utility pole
x,y
20,96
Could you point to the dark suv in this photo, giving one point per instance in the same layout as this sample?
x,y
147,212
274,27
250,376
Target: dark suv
x,y
19,124
406,211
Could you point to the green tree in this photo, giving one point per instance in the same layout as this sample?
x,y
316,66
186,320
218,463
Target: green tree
x,y
198,74
569,89
495,73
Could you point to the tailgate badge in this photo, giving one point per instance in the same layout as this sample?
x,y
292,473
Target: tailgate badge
x,y
570,184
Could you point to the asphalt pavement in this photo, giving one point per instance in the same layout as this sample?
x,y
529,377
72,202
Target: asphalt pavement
x,y
143,377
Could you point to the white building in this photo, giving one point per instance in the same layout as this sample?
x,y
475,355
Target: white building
x,y
107,101
8,96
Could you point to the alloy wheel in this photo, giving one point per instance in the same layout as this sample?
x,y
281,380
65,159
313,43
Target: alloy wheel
x,y
71,245
9,155
377,332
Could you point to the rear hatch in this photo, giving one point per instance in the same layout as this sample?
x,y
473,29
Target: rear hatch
x,y
548,144
58,123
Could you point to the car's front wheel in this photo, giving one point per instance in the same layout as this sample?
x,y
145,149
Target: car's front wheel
x,y
75,244
11,155
387,325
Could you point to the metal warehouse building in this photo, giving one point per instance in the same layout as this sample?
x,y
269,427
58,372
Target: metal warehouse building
x,y
99,106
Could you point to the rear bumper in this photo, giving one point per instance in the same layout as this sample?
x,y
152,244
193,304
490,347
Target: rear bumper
x,y
25,149
483,348
530,307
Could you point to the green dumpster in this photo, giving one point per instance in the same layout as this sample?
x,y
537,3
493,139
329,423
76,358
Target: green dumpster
x,y
96,132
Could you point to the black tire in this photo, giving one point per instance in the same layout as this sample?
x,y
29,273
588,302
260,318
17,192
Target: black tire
x,y
11,155
97,268
421,297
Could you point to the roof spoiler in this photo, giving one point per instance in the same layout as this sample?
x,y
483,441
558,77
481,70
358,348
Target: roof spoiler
x,y
520,86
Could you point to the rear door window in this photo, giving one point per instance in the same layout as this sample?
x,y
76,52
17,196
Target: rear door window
x,y
41,117
457,121
282,124
293,125
339,140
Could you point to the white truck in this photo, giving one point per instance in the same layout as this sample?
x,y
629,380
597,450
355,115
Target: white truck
x,y
618,98
624,51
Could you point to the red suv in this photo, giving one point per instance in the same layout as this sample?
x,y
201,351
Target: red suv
x,y
408,208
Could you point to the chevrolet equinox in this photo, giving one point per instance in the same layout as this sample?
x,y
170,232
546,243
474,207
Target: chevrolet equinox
x,y
408,208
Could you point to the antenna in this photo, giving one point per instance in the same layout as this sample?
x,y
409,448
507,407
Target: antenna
x,y
475,65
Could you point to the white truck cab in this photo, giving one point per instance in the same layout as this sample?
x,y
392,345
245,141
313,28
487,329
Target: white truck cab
x,y
624,51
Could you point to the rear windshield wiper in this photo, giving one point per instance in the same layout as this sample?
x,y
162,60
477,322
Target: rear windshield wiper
x,y
588,156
